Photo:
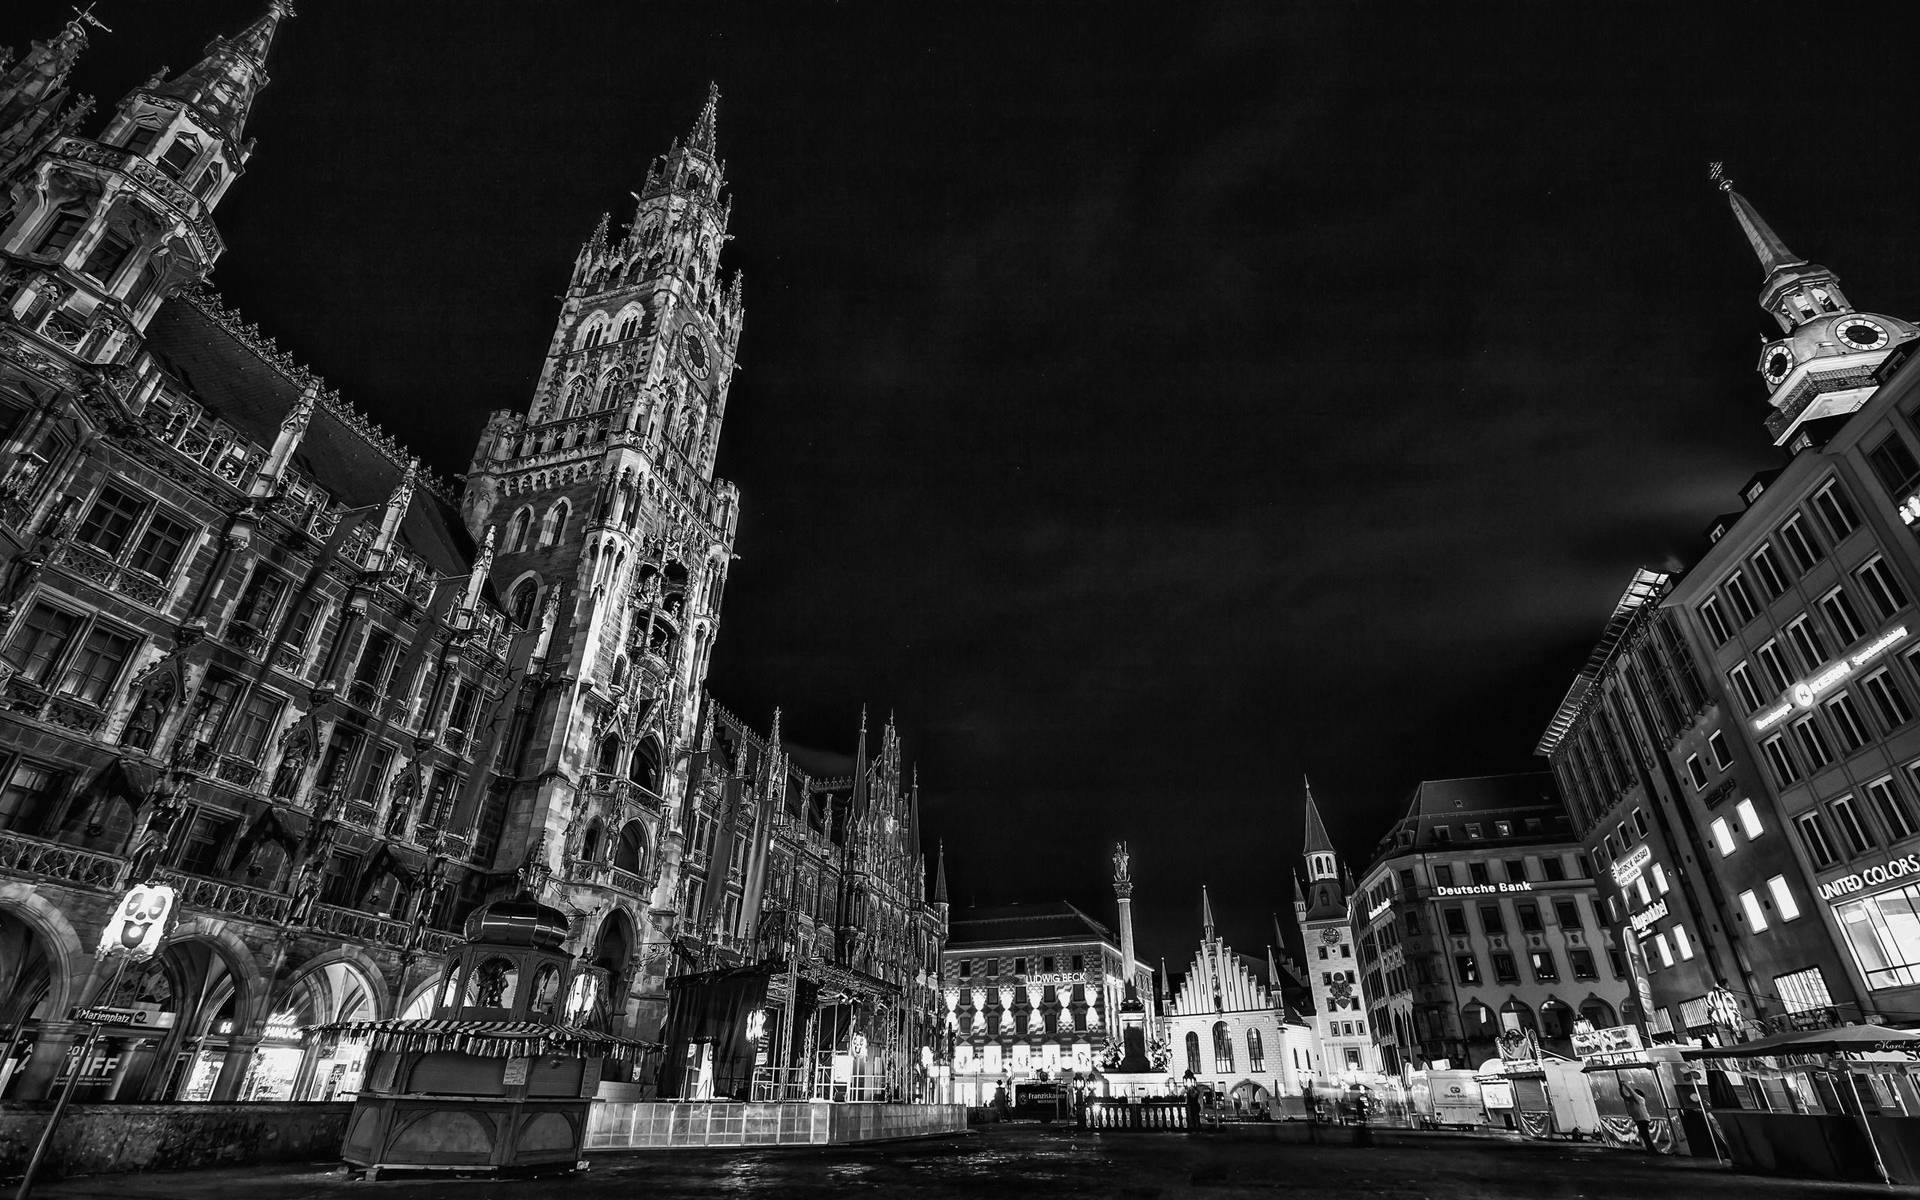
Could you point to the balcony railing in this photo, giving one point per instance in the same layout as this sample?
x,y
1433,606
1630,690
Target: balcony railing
x,y
366,927
52,860
228,899
136,586
23,696
236,771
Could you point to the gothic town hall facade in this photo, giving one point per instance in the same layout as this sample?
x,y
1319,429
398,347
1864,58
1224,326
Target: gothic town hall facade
x,y
252,648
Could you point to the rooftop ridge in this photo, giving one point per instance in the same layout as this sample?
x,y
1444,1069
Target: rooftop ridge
x,y
267,350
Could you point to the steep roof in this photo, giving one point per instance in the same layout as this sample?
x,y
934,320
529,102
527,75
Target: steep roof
x,y
1481,800
1024,924
236,374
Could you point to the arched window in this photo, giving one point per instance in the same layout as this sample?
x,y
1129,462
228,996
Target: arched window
x,y
609,760
554,526
1193,1053
517,532
629,327
631,853
645,767
590,841
1222,1049
526,596
1476,1022
1556,1021
1598,1012
1516,1015
1256,1052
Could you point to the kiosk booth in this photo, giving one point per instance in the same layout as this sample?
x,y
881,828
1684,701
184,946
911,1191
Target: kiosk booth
x,y
502,1075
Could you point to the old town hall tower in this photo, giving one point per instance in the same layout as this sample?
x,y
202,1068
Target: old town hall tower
x,y
612,538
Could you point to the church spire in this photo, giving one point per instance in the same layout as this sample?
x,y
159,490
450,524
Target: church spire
x,y
940,874
702,136
33,89
858,805
1206,914
220,89
1316,837
1822,365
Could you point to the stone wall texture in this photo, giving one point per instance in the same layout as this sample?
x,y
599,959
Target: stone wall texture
x,y
100,1139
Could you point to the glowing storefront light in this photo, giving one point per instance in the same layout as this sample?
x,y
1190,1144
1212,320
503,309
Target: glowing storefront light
x,y
1628,868
1804,693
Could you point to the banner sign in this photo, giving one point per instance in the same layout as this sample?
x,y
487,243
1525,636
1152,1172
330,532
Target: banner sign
x,y
138,923
1615,1040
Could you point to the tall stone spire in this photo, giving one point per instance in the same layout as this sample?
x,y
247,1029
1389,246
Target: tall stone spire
x,y
940,874
219,90
701,137
33,89
1316,835
1206,914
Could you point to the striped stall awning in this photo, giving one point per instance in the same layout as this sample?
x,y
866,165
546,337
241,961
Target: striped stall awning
x,y
485,1039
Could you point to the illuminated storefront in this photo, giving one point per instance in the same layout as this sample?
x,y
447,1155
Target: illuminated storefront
x,y
1883,931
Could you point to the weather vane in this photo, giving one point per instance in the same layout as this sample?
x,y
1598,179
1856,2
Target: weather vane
x,y
1719,175
85,16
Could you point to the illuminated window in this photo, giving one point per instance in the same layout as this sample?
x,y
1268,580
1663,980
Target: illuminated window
x,y
1888,700
1717,746
1742,680
1473,830
1785,770
1806,640
1659,874
1881,931
1716,624
1819,843
1802,547
1740,596
1884,592
1750,905
1842,616
1682,942
1783,899
1723,836
1813,743
1836,511
1749,819
1802,991
1666,951
1853,831
1641,885
1848,723
1467,968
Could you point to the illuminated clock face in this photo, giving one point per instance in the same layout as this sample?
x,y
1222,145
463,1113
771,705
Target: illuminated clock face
x,y
693,348
1858,333
1775,363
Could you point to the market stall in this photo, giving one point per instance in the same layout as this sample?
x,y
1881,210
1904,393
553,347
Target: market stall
x,y
1658,1074
1827,1103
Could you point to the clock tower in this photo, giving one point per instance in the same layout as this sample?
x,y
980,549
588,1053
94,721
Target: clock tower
x,y
612,541
1823,362
1332,967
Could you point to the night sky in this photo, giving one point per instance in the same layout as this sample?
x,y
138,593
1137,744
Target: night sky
x,y
1148,404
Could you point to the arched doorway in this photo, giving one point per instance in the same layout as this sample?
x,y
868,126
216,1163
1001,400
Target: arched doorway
x,y
27,997
284,1068
208,1010
613,954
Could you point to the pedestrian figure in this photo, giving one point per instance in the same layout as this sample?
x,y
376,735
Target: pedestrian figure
x,y
1636,1102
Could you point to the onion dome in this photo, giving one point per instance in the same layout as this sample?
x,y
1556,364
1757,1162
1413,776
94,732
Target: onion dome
x,y
518,923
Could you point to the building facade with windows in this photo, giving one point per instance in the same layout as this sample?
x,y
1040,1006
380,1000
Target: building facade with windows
x,y
1032,991
1229,1028
1479,916
1782,785
250,647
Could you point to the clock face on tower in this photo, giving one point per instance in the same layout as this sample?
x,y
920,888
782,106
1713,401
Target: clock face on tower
x,y
1858,333
1330,936
1775,363
693,349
